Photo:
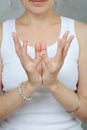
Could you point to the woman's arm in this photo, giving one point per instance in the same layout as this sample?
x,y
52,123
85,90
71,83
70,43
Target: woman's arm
x,y
11,101
81,32
71,99
0,60
66,97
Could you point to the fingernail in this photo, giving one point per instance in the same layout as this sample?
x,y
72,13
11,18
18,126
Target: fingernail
x,y
13,34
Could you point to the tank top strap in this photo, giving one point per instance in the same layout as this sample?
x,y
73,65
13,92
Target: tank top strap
x,y
67,24
7,40
8,28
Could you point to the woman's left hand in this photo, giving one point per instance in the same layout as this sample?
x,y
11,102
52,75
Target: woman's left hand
x,y
52,66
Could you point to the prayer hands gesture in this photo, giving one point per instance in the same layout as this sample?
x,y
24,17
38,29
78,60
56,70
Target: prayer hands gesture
x,y
42,69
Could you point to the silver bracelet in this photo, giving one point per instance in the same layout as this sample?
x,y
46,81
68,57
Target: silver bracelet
x,y
78,105
22,95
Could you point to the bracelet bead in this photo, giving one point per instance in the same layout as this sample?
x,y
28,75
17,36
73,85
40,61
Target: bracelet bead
x,y
22,95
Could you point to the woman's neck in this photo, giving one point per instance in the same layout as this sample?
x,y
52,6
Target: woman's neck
x,y
40,20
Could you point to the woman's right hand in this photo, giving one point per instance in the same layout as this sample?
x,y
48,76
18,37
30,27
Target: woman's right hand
x,y
31,66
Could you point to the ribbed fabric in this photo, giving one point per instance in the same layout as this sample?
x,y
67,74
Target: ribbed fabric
x,y
43,112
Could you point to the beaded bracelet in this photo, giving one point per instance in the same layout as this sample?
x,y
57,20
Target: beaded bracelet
x,y
78,105
22,95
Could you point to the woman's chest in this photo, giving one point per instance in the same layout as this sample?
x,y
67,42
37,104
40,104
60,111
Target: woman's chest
x,y
13,73
48,35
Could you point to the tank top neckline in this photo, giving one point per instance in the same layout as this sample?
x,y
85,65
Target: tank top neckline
x,y
49,46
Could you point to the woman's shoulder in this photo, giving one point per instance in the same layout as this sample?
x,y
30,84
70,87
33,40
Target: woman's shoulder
x,y
81,31
81,27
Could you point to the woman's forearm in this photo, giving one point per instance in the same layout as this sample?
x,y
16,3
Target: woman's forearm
x,y
11,101
69,100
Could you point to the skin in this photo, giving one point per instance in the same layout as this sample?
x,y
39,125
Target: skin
x,y
41,20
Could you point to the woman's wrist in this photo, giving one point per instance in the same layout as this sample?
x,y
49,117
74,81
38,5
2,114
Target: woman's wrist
x,y
21,93
62,93
27,89
53,86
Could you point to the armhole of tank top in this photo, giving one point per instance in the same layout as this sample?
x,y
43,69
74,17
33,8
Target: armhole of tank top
x,y
70,24
74,31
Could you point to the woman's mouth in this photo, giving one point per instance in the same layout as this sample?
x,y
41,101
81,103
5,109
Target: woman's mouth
x,y
38,0
38,3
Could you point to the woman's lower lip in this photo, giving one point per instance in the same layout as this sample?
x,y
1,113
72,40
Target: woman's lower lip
x,y
38,0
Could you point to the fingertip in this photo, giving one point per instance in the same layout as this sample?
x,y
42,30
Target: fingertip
x,y
13,34
25,42
72,36
68,31
38,47
43,46
59,40
37,44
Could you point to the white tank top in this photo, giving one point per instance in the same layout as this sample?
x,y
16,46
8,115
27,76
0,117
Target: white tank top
x,y
43,112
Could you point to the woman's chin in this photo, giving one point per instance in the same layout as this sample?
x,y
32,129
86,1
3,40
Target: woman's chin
x,y
38,10
38,13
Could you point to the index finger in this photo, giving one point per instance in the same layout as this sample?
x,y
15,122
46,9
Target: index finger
x,y
16,43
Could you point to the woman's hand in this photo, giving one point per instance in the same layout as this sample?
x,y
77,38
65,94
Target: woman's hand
x,y
31,66
52,66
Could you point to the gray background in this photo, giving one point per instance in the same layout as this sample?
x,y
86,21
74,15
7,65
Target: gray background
x,y
76,9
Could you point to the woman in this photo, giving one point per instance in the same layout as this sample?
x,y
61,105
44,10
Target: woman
x,y
43,70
